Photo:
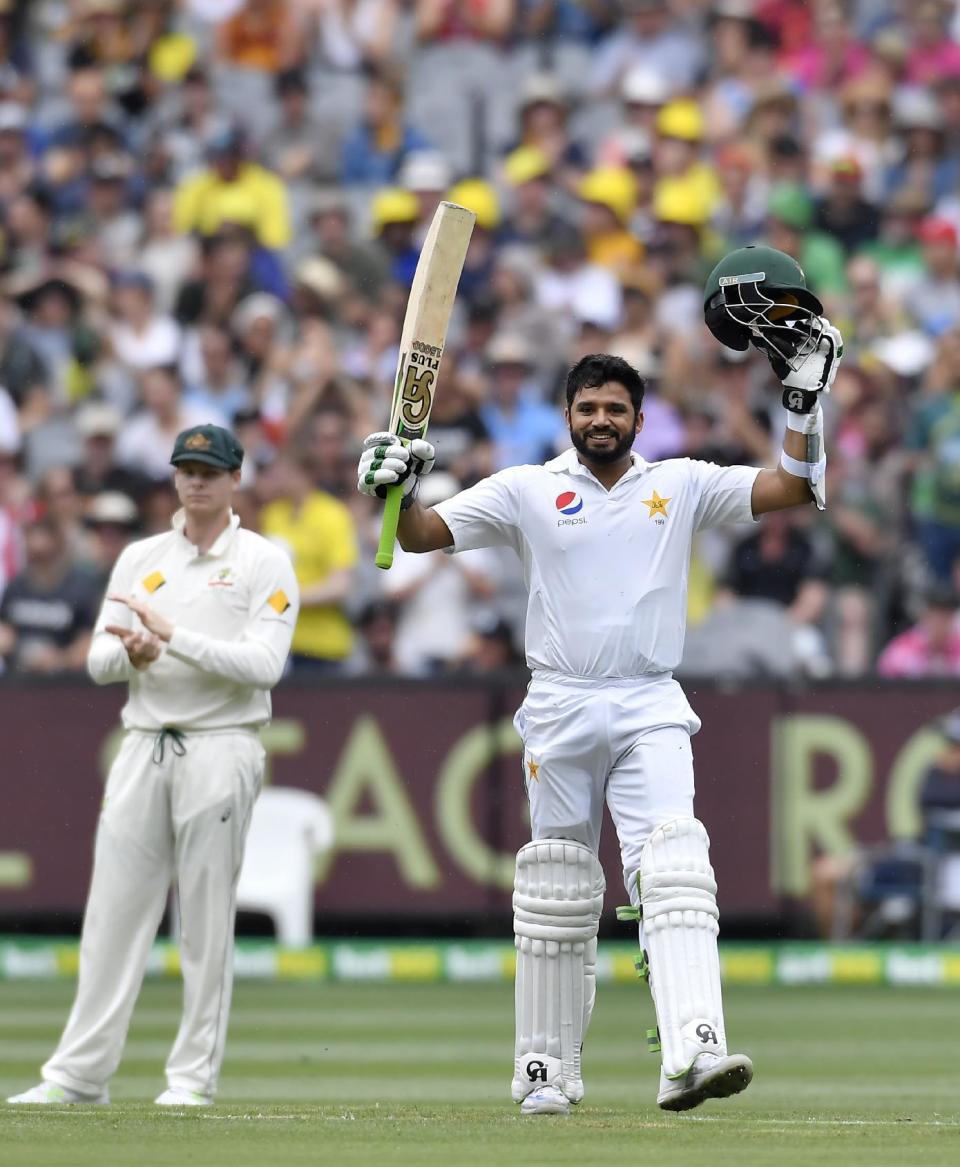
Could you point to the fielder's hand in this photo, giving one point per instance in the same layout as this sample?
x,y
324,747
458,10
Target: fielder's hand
x,y
143,648
153,622
814,374
386,461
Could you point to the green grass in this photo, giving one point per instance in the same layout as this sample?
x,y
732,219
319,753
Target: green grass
x,y
418,1074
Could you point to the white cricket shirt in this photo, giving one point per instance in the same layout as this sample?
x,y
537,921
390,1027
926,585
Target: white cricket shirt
x,y
233,609
606,570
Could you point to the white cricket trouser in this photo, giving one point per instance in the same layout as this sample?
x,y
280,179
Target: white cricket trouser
x,y
626,742
184,817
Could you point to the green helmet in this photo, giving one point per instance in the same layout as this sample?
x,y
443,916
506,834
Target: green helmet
x,y
758,295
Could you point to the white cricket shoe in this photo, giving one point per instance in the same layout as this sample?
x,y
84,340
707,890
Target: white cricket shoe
x,y
177,1096
545,1100
50,1094
710,1076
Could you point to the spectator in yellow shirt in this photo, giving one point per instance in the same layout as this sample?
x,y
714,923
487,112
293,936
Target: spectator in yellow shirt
x,y
318,532
234,190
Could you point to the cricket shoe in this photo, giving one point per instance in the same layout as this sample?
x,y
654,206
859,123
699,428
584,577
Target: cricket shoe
x,y
710,1076
177,1096
50,1094
545,1100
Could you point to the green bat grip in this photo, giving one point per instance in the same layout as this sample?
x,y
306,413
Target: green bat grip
x,y
388,532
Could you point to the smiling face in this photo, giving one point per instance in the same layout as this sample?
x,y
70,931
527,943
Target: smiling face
x,y
205,490
603,423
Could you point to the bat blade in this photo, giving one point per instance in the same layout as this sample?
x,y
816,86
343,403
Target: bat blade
x,y
424,335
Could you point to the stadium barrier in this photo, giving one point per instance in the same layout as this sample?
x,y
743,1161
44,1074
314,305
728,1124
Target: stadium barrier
x,y
790,963
425,783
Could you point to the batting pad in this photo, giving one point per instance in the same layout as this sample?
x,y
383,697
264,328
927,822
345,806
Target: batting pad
x,y
557,898
678,897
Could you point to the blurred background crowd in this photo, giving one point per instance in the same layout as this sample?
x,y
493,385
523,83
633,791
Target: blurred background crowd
x,y
210,210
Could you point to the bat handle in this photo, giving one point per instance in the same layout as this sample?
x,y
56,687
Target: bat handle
x,y
388,531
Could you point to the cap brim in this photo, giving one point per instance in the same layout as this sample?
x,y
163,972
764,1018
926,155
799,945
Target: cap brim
x,y
209,459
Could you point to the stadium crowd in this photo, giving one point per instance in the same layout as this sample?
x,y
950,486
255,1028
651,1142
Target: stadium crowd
x,y
211,210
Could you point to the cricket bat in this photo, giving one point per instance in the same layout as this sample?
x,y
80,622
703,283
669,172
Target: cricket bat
x,y
424,334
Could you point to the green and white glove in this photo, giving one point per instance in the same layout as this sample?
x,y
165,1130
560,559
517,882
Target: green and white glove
x,y
386,461
815,373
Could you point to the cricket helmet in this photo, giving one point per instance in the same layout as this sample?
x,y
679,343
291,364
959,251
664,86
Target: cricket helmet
x,y
758,295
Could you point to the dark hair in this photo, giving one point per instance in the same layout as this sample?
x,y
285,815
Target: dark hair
x,y
598,368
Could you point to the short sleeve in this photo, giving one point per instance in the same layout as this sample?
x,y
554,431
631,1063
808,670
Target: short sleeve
x,y
724,494
486,515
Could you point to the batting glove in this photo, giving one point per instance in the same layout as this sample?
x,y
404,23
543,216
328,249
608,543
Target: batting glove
x,y
386,461
815,373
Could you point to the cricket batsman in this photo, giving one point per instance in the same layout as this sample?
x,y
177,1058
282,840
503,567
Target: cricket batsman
x,y
604,538
197,622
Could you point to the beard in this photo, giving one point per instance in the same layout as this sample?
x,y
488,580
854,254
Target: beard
x,y
602,456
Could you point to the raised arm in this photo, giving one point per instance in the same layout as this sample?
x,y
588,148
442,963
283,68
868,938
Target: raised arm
x,y
800,477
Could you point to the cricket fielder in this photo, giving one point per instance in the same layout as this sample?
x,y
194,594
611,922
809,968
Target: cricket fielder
x,y
198,622
604,538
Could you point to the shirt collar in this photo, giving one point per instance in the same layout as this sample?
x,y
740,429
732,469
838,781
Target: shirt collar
x,y
569,463
222,541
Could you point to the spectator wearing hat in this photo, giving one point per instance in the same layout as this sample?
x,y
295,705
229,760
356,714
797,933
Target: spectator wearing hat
x,y
544,124
654,36
427,174
233,190
98,470
395,213
843,212
935,298
318,533
531,215
931,648
113,520
609,198
48,610
682,175
375,148
523,428
479,196
144,441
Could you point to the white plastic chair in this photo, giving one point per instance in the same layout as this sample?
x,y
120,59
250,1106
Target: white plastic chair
x,y
288,830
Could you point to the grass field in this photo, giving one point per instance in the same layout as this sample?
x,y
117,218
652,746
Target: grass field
x,y
418,1074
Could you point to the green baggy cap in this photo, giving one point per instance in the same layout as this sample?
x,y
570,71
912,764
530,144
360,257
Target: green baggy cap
x,y
208,443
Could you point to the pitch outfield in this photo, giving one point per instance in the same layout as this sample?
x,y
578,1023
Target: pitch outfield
x,y
417,1074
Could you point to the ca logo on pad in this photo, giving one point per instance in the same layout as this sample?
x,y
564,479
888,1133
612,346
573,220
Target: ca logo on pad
x,y
569,503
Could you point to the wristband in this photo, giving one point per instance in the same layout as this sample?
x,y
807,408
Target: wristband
x,y
806,423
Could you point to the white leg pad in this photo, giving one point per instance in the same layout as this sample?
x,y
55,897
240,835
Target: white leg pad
x,y
557,899
678,897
